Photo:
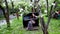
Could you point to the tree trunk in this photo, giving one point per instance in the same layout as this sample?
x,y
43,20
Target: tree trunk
x,y
17,15
7,14
44,29
45,32
31,0
12,5
13,10
51,12
47,7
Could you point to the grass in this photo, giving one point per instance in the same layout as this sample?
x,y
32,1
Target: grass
x,y
17,27
1,18
54,26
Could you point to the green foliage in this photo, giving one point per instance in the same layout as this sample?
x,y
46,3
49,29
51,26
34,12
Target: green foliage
x,y
1,17
21,5
58,5
25,6
42,9
10,6
1,1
